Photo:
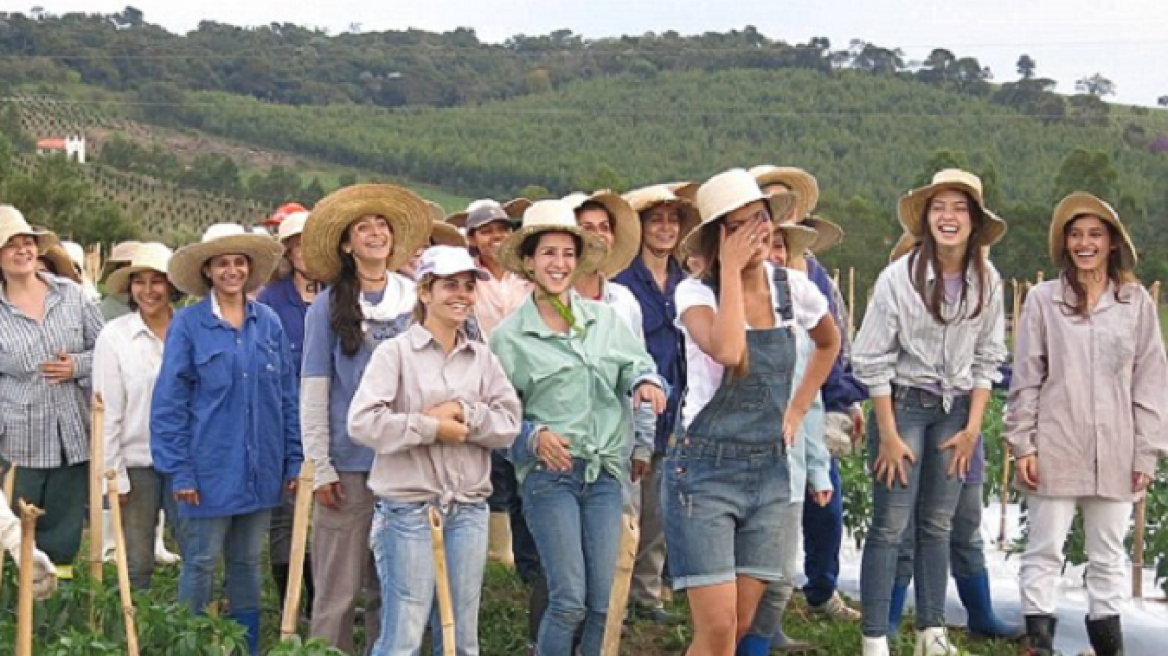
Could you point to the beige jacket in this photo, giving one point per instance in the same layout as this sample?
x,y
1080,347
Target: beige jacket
x,y
1088,396
410,374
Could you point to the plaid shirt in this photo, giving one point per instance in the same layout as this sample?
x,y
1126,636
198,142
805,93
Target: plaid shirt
x,y
45,426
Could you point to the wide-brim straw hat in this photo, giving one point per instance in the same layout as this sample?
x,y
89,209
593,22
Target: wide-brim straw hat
x,y
185,270
687,190
120,254
551,216
514,208
437,212
797,238
911,207
805,186
60,260
646,198
1078,204
444,234
407,214
729,191
830,234
626,229
13,223
151,256
903,247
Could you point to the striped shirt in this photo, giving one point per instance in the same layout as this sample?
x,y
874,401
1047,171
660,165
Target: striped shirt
x,y
900,343
45,426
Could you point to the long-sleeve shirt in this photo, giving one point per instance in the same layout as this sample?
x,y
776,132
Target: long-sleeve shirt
x,y
126,363
1088,395
283,297
901,343
45,426
841,389
387,415
577,384
224,419
663,338
497,298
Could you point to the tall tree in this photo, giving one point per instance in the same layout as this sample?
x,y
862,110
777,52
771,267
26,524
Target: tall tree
x,y
1026,67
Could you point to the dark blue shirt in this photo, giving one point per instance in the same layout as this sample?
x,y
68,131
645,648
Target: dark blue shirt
x,y
841,389
663,339
283,297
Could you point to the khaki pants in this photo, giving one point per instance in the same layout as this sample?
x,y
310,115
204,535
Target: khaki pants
x,y
645,587
343,564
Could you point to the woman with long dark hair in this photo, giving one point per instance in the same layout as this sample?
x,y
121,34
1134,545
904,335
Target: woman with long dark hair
x,y
1086,415
354,241
928,350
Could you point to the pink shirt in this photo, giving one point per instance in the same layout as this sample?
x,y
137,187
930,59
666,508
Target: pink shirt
x,y
499,297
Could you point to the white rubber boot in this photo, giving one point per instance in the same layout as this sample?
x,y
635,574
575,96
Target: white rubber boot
x,y
876,646
499,539
162,555
108,547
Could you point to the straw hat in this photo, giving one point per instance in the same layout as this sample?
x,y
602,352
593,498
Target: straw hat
x,y
291,225
646,198
406,212
830,234
797,238
437,212
911,207
444,234
903,247
686,190
731,190
805,186
185,269
59,258
513,208
120,254
12,223
626,229
551,216
151,256
1078,204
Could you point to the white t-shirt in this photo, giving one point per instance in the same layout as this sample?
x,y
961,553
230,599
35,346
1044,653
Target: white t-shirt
x,y
703,374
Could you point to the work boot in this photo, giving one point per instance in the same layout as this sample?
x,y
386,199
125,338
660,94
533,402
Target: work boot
x,y
975,596
1106,635
499,539
1040,634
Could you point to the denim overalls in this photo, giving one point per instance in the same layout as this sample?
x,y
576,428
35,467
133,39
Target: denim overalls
x,y
726,479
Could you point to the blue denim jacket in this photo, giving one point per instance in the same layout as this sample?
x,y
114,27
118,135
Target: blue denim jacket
x,y
224,418
282,297
663,339
841,389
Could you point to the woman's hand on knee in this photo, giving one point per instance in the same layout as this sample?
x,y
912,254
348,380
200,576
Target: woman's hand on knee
x,y
890,462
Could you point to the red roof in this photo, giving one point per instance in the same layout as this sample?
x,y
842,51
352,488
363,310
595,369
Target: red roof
x,y
51,144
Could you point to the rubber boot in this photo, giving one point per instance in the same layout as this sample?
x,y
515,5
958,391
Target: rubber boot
x,y
1040,634
499,539
876,646
896,608
250,620
780,641
975,596
1106,635
752,645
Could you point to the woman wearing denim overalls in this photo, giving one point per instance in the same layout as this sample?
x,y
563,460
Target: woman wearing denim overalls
x,y
929,351
727,483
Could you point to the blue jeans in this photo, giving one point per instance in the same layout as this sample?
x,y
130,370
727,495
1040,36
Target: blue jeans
x,y
823,534
239,539
577,527
966,547
402,546
931,494
147,496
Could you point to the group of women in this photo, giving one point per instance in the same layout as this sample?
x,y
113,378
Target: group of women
x,y
570,360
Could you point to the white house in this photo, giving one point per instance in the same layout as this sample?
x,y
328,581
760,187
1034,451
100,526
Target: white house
x,y
73,147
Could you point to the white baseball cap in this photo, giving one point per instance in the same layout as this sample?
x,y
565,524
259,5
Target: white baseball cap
x,y
448,261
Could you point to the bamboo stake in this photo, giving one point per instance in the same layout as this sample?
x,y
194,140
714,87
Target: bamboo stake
x,y
96,466
115,504
28,518
1006,455
291,617
618,599
9,483
442,581
851,302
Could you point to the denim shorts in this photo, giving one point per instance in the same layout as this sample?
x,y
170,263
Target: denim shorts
x,y
724,506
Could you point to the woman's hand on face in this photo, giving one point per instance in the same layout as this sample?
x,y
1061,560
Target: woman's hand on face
x,y
739,248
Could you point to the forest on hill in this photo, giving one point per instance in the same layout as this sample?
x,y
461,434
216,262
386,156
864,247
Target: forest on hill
x,y
546,115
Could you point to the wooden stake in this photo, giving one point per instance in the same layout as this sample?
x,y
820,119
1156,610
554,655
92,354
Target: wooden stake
x,y
96,467
618,599
442,581
291,617
1005,495
1138,548
115,504
28,518
851,302
9,483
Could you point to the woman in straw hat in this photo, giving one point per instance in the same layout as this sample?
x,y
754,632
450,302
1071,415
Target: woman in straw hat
x,y
126,362
929,351
49,330
739,416
289,295
652,276
355,240
966,547
574,362
224,424
441,234
113,306
433,436
1092,446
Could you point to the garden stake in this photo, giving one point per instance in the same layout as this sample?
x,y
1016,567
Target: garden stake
x,y
1137,566
96,465
28,519
115,505
9,483
851,302
442,581
618,598
291,617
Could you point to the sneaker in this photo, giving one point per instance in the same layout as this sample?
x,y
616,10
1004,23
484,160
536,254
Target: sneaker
x,y
835,609
934,641
876,646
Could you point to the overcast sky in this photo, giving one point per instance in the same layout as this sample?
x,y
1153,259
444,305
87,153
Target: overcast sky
x,y
1126,40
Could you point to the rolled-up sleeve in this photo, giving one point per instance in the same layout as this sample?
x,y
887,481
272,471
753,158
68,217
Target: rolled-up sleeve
x,y
373,421
495,421
877,345
1149,385
1030,370
989,351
